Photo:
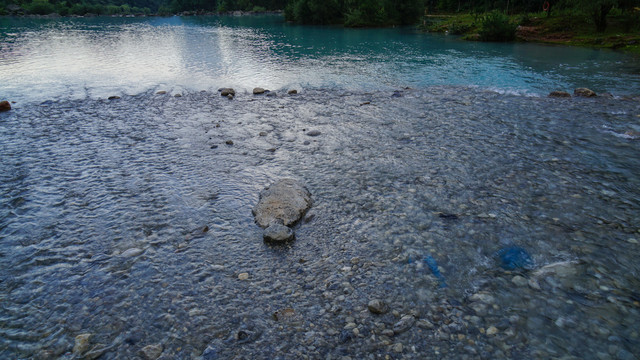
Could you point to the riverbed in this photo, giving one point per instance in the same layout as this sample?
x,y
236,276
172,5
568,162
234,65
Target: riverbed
x,y
128,221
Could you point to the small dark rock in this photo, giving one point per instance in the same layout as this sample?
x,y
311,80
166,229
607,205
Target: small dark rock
x,y
397,93
161,92
292,92
115,97
229,142
230,97
584,92
177,95
227,92
263,133
5,106
559,94
258,91
314,133
214,146
306,142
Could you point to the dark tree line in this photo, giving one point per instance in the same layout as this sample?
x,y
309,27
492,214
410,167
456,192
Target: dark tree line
x,y
113,7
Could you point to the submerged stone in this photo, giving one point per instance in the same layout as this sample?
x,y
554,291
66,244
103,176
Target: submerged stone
x,y
560,94
283,202
515,257
152,352
584,92
278,233
377,306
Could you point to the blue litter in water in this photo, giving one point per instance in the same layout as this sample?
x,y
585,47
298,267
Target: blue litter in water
x,y
433,266
515,257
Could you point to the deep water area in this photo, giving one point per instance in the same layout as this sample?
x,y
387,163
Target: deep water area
x,y
129,221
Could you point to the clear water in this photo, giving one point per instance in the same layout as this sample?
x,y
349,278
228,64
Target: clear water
x,y
100,57
104,201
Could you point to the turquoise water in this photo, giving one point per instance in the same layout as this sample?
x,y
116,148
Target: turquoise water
x,y
99,57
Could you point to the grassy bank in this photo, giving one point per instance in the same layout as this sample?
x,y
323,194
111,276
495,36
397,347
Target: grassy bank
x,y
622,32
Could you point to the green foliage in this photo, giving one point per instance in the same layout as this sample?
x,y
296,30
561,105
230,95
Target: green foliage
x,y
40,7
459,28
355,12
495,26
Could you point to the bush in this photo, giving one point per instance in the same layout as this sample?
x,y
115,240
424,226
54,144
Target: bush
x,y
259,9
495,26
457,28
40,7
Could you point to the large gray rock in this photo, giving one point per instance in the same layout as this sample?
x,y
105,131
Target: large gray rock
x,y
283,202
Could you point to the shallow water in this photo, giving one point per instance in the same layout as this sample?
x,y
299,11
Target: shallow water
x,y
104,202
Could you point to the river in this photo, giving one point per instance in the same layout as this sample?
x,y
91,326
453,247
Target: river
x,y
126,226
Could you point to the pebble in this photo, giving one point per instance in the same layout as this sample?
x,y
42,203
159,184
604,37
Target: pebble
x,y
161,92
243,276
229,142
292,92
377,306
519,281
398,347
425,324
492,330
81,343
314,133
405,323
152,352
132,252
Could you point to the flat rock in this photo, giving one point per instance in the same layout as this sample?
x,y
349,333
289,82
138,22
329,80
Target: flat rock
x,y
405,323
559,94
258,91
5,106
584,92
283,202
314,133
278,233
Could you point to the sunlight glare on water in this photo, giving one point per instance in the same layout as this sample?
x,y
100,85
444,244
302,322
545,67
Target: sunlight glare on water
x,y
99,57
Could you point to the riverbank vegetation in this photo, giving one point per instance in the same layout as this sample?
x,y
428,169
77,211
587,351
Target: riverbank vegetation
x,y
134,7
600,23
